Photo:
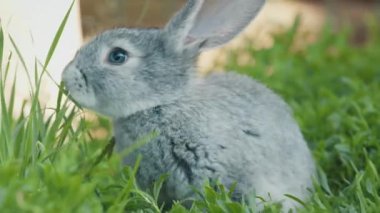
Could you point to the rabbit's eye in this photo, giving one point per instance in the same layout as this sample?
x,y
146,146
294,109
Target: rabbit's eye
x,y
117,56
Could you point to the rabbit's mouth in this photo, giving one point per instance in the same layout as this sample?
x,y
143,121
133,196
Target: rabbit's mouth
x,y
84,77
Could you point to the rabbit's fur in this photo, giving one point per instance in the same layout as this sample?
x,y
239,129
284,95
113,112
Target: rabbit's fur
x,y
224,126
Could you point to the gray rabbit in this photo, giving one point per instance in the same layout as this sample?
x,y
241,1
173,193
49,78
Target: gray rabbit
x,y
224,126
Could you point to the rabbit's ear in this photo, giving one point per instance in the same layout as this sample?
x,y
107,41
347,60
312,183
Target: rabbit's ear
x,y
213,22
178,29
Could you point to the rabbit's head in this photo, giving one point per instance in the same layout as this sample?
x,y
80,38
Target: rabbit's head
x,y
123,71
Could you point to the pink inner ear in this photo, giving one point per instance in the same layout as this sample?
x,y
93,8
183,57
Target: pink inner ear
x,y
216,34
214,37
189,39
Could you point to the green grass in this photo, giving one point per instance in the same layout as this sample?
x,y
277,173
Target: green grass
x,y
47,164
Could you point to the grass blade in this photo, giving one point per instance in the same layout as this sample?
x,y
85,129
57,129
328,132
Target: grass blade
x,y
12,99
1,45
57,36
21,59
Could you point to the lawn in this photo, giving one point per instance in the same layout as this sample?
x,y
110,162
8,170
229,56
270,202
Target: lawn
x,y
47,164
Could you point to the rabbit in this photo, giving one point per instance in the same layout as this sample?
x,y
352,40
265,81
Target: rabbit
x,y
222,127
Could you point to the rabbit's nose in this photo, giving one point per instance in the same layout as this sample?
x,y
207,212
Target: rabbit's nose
x,y
75,82
67,73
73,78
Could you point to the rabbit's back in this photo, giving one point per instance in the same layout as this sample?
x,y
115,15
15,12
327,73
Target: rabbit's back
x,y
226,127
